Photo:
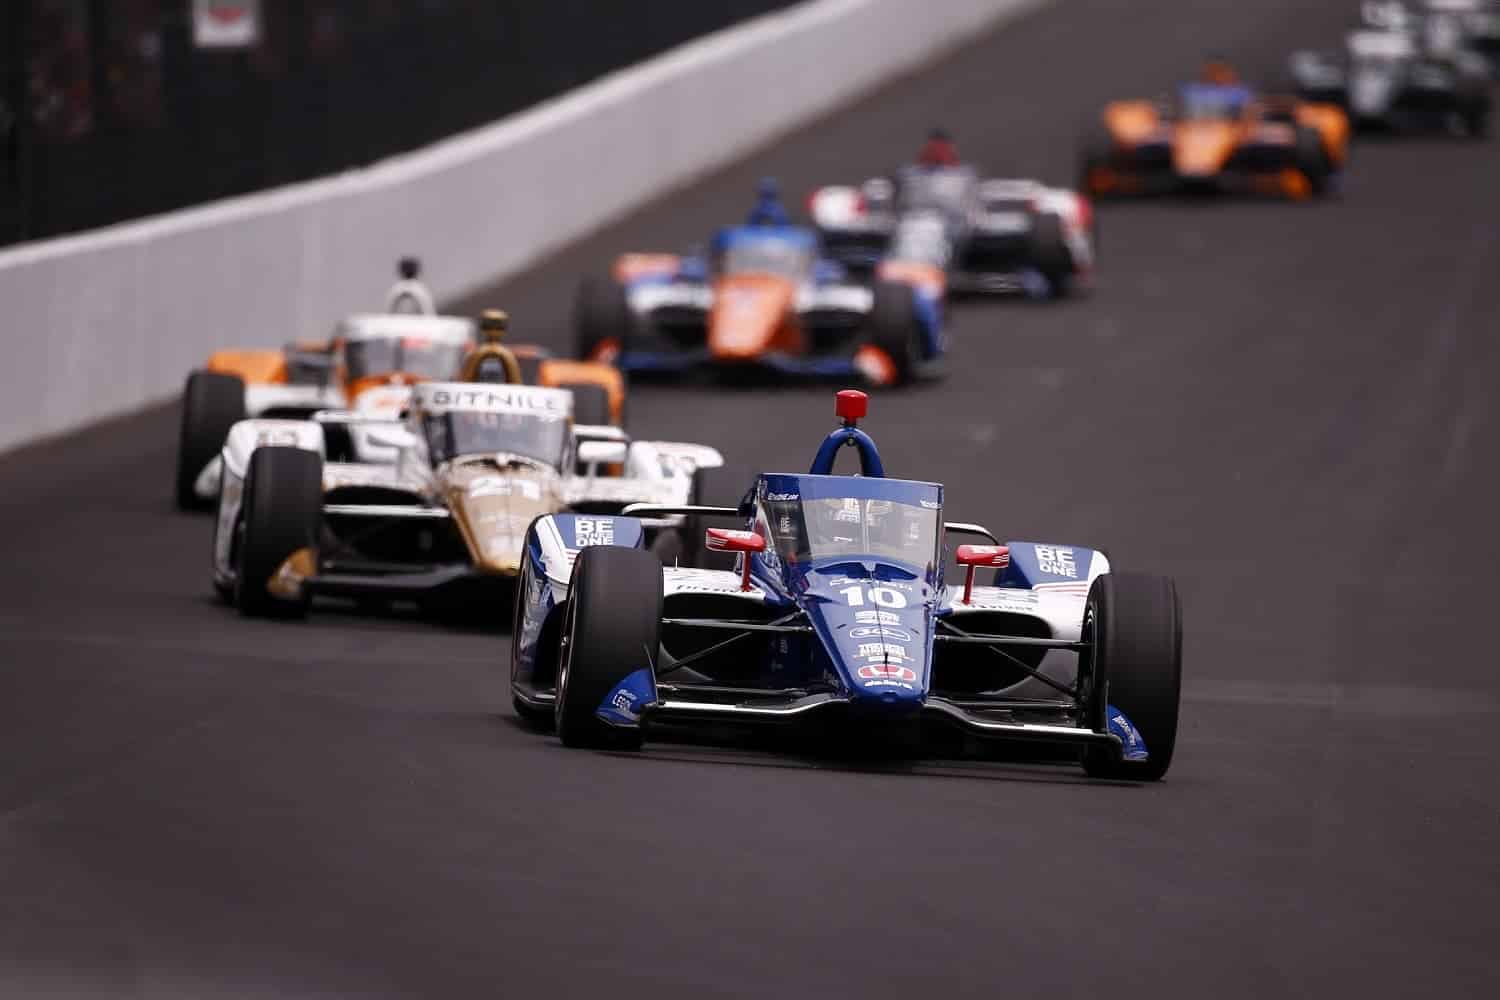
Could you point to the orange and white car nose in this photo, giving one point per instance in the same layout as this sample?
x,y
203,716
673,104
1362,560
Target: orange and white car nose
x,y
1200,149
751,315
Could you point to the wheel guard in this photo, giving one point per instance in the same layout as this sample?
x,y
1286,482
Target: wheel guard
x,y
1132,744
623,705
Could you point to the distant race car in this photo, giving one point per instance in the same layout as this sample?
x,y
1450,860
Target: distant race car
x,y
1216,136
984,235
368,364
475,464
762,297
839,609
1407,68
1480,20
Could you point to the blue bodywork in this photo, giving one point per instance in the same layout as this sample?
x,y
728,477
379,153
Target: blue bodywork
x,y
822,273
868,590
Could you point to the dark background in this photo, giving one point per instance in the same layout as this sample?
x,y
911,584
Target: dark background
x,y
108,111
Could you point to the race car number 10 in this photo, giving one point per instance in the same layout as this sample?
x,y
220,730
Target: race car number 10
x,y
885,597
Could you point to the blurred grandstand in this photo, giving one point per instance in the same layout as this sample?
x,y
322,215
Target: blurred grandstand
x,y
109,111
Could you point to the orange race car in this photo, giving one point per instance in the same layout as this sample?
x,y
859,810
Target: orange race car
x,y
369,365
1216,136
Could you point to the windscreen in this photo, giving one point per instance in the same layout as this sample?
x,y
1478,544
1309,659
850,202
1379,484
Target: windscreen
x,y
418,357
922,237
804,530
1212,103
948,191
783,258
529,435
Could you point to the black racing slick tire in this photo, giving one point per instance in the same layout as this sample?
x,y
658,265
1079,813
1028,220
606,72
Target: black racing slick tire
x,y
1133,627
601,313
720,486
281,515
1096,152
1477,120
1312,160
590,404
1050,253
611,629
895,329
212,403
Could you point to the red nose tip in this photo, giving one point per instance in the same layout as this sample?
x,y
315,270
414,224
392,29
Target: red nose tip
x,y
852,405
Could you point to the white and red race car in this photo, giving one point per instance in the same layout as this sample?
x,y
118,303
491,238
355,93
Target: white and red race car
x,y
988,236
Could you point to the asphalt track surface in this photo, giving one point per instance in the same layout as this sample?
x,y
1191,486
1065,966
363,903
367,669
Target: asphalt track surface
x,y
1288,407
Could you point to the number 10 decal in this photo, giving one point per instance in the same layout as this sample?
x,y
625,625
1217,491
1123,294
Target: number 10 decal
x,y
885,597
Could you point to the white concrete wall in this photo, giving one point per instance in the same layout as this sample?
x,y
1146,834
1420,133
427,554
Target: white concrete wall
x,y
105,322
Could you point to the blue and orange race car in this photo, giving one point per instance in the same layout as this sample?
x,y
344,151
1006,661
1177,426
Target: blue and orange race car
x,y
763,296
838,609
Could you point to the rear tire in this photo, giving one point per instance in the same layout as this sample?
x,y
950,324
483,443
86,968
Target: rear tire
x,y
612,629
601,312
282,513
212,403
1135,625
540,719
894,328
720,486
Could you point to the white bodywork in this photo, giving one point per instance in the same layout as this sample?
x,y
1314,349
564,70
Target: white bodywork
x,y
926,234
657,472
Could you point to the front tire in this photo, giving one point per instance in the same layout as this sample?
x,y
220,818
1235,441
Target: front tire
x,y
1312,160
611,630
1095,154
212,403
1050,253
282,516
1133,622
895,329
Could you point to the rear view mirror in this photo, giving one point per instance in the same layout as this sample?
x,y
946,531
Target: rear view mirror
x,y
391,437
974,556
602,452
728,540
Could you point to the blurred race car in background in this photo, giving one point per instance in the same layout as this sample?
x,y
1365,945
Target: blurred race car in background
x,y
367,365
475,464
839,612
1480,20
762,297
984,235
1405,68
1216,135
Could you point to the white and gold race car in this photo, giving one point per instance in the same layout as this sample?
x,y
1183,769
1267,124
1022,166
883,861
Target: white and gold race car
x,y
475,464
369,364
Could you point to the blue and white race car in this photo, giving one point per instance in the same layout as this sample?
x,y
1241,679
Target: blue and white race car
x,y
838,608
763,296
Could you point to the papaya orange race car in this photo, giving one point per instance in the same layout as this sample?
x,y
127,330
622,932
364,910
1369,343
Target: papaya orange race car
x,y
1216,136
369,365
